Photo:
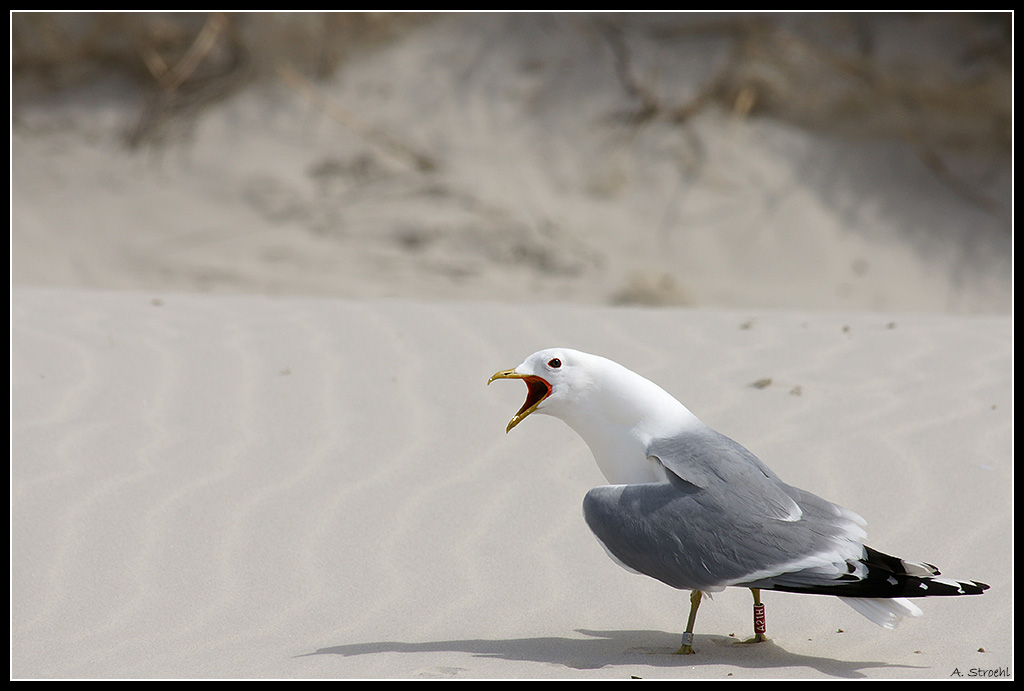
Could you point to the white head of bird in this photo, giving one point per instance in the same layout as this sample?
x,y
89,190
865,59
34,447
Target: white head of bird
x,y
616,411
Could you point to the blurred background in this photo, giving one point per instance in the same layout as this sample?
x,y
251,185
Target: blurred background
x,y
854,161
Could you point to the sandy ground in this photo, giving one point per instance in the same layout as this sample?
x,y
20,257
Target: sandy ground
x,y
250,432
236,487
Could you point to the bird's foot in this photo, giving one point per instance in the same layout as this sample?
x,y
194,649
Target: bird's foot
x,y
687,647
758,638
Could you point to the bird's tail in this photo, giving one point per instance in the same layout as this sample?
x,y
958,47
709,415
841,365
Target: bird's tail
x,y
894,576
878,586
886,612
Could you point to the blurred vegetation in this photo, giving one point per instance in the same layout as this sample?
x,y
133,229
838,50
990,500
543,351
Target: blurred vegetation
x,y
835,71
852,71
185,60
170,50
940,81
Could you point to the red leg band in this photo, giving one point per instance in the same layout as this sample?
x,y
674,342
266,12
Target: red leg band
x,y
759,619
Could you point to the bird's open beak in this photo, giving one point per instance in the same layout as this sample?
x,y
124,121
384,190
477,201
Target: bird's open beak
x,y
538,390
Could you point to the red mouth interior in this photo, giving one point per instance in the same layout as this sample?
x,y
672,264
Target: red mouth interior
x,y
538,391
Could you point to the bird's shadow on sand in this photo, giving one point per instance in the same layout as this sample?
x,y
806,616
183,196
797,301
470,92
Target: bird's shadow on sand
x,y
601,649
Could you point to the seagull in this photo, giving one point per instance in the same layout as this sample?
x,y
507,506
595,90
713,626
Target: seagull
x,y
696,510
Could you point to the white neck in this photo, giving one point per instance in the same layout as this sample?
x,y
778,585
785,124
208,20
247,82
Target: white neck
x,y
619,425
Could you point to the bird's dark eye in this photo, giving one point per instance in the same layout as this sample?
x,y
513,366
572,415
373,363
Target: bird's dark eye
x,y
554,363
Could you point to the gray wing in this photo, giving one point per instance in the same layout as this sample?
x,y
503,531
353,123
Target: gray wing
x,y
723,518
703,539
708,459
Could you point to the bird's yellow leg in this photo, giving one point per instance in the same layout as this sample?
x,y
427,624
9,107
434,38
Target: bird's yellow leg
x,y
759,627
687,647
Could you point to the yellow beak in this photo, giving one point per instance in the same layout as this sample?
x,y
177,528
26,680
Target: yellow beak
x,y
538,390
